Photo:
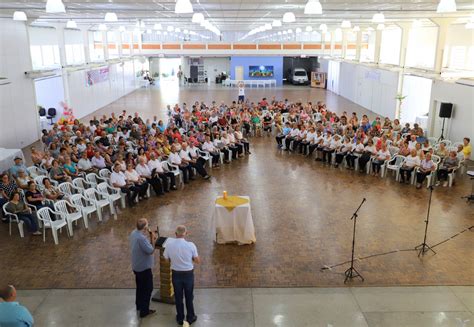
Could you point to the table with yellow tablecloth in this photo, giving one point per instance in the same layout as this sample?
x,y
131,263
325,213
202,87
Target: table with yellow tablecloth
x,y
232,220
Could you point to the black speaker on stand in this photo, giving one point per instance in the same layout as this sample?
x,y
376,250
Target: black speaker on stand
x,y
445,111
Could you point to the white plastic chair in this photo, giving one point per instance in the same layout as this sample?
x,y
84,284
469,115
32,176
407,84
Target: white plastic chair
x,y
114,194
74,216
44,215
13,218
104,173
452,174
69,189
39,182
94,179
173,169
86,206
99,199
35,171
398,161
81,183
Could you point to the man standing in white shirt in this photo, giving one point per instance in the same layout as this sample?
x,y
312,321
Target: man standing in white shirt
x,y
183,255
241,92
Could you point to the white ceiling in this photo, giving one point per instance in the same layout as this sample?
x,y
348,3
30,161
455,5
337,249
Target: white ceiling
x,y
235,15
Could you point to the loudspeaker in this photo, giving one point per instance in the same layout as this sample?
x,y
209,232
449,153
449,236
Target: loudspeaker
x,y
445,110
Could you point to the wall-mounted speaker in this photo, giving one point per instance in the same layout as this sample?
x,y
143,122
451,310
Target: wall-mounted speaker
x,y
445,110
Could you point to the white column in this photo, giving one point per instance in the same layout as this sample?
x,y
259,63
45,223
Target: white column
x,y
378,43
85,39
63,59
323,42
344,44
119,44
105,44
443,25
358,46
333,43
404,43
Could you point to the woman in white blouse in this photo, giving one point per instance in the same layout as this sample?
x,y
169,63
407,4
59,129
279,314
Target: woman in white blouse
x,y
369,151
411,162
382,155
343,150
133,177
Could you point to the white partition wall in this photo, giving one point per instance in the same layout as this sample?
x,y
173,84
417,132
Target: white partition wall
x,y
417,102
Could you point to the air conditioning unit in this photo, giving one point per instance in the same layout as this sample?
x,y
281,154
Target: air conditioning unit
x,y
4,81
42,73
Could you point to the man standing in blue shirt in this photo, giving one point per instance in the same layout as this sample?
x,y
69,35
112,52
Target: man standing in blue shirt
x,y
12,313
183,255
142,245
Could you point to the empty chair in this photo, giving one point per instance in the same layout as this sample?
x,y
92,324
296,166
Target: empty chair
x,y
69,189
94,179
81,183
70,216
51,114
44,215
87,207
99,199
393,164
13,218
113,194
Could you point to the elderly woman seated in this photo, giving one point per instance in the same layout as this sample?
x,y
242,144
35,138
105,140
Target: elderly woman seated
x,y
18,207
449,164
427,166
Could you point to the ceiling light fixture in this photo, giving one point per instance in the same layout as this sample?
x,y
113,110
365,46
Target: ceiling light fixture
x,y
298,30
276,23
378,18
71,24
55,7
197,17
309,29
102,27
356,29
111,17
346,24
323,27
313,7
170,28
289,17
183,7
445,6
20,16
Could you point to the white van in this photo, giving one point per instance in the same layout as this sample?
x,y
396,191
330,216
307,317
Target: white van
x,y
299,76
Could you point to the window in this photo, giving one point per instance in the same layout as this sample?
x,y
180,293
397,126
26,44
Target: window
x,y
44,47
126,40
112,45
96,46
367,51
74,46
390,45
421,48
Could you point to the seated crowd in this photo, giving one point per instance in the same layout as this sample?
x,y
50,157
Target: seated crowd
x,y
130,153
312,128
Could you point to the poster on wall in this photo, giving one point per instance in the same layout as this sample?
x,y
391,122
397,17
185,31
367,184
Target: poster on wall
x,y
97,76
260,71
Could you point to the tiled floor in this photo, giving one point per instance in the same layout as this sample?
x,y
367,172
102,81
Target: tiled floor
x,y
301,211
262,307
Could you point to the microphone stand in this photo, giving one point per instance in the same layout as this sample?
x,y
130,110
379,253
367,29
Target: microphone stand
x,y
352,272
424,247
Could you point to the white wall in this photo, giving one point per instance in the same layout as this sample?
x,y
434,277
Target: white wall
x,y
215,66
18,113
417,102
86,99
50,93
462,122
371,88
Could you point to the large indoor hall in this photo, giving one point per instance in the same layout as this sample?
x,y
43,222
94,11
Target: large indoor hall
x,y
211,163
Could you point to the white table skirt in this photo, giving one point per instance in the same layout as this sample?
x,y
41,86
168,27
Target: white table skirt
x,y
7,157
233,226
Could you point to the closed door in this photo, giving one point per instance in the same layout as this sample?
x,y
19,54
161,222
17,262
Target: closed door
x,y
239,73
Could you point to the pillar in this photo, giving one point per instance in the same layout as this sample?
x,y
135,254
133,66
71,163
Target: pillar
x,y
105,44
443,25
358,46
405,27
323,42
344,44
85,39
63,60
378,43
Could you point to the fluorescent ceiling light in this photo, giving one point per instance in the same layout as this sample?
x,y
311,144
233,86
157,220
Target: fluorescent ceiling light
x,y
298,30
323,27
20,16
55,7
289,17
183,7
445,6
380,27
170,28
346,24
177,30
122,29
356,29
276,23
313,7
157,26
197,17
102,27
110,17
71,24
309,28
378,18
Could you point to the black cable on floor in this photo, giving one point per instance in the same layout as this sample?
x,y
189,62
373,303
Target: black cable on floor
x,y
326,267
